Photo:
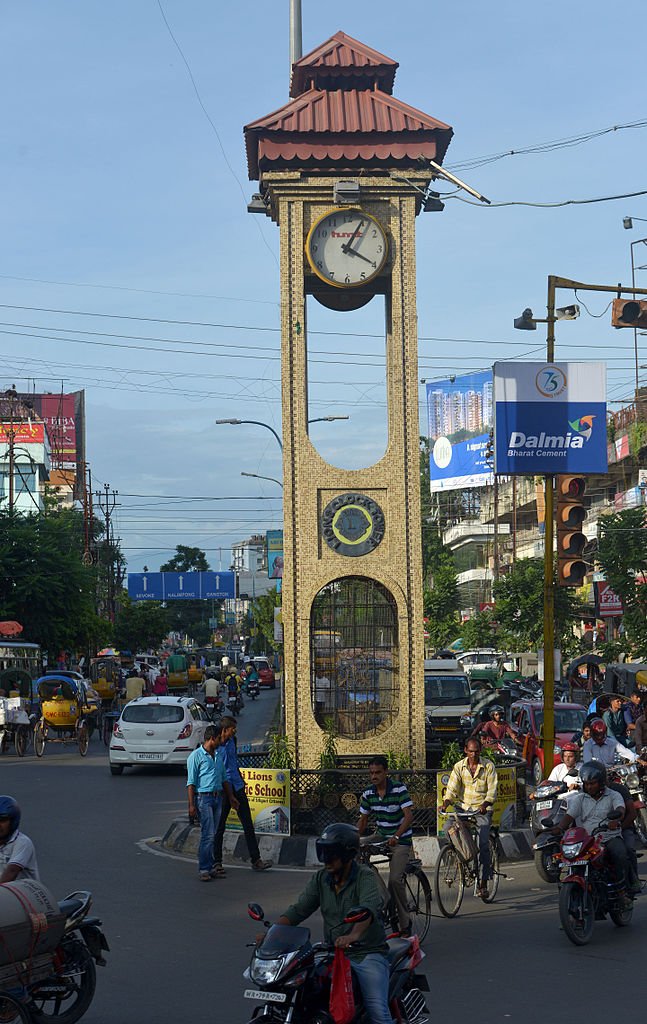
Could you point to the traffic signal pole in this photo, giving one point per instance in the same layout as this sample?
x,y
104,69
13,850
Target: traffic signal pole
x,y
549,590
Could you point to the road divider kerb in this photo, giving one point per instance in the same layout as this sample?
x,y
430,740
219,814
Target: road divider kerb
x,y
299,851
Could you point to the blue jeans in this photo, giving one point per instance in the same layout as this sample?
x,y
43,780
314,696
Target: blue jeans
x,y
209,811
373,976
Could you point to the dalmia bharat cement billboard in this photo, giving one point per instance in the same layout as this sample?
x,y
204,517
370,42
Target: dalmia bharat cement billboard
x,y
459,414
550,418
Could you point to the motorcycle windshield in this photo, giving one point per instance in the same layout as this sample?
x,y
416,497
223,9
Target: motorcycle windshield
x,y
281,939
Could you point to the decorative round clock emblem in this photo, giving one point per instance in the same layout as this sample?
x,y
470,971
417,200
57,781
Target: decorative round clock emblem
x,y
352,524
347,247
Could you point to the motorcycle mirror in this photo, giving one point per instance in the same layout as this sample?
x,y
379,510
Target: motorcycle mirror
x,y
547,822
356,914
616,814
255,911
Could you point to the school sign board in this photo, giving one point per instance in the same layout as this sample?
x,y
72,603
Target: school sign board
x,y
550,418
268,793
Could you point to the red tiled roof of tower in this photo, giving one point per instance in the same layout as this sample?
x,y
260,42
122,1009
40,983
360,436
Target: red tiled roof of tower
x,y
343,62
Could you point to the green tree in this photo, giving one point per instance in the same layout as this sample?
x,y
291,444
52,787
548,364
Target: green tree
x,y
186,559
44,583
519,608
140,625
262,611
622,556
480,631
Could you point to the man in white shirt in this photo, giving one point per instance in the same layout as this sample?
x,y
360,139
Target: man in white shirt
x,y
567,771
601,747
589,809
17,854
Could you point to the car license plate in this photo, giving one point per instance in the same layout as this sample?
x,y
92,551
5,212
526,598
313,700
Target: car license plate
x,y
541,805
150,757
266,997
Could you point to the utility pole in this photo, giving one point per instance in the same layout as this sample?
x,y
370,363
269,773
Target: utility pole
x,y
11,394
107,500
296,43
496,527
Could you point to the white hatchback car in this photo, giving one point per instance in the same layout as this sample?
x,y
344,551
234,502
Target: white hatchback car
x,y
157,730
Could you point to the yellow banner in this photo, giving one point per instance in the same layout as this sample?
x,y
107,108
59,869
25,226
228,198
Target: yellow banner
x,y
503,812
268,793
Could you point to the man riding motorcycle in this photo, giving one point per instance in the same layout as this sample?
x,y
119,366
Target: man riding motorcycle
x,y
496,729
590,808
601,747
341,885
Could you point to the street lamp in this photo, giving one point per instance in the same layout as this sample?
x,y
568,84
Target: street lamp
x,y
257,423
258,476
627,223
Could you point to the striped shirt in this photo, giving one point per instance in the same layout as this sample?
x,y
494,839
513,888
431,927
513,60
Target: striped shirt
x,y
388,810
470,791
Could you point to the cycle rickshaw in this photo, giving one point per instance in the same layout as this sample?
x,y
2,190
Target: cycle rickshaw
x,y
69,709
15,709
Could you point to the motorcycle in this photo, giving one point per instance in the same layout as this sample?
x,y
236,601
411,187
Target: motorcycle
x,y
627,775
65,994
292,976
214,706
235,703
548,808
253,689
590,891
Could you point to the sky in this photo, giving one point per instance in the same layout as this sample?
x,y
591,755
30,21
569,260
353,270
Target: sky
x,y
130,267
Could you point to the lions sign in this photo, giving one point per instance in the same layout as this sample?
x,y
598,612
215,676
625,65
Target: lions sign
x,y
550,418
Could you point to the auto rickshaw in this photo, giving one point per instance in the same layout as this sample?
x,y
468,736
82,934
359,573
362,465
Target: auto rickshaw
x,y
69,710
104,676
195,673
177,672
15,725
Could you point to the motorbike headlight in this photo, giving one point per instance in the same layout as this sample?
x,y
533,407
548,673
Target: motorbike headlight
x,y
571,850
632,780
557,750
265,972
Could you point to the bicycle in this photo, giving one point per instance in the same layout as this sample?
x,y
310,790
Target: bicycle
x,y
416,883
454,870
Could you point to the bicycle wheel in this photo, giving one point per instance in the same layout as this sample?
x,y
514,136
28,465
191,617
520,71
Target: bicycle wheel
x,y
13,1012
39,740
449,881
418,892
493,884
83,739
21,739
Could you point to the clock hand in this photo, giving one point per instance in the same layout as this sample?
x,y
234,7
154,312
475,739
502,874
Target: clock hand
x,y
346,247
354,252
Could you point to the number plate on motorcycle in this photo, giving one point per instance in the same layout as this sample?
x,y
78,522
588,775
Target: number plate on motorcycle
x,y
542,805
266,997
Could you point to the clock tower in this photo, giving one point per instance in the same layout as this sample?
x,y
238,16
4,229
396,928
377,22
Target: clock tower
x,y
343,169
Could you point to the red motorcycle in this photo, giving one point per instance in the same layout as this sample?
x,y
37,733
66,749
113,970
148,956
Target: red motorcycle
x,y
590,890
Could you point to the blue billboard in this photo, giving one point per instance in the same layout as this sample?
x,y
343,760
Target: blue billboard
x,y
550,418
459,412
181,586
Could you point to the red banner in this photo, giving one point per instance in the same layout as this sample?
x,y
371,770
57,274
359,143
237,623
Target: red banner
x,y
58,414
607,602
23,432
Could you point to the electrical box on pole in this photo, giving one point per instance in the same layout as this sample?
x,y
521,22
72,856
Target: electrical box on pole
x,y
571,541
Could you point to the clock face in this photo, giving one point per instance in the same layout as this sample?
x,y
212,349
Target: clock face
x,y
347,248
352,524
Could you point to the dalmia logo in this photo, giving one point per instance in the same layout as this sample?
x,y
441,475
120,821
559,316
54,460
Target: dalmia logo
x,y
527,444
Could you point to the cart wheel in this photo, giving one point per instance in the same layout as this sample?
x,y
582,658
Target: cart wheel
x,y
39,740
3,742
22,739
84,740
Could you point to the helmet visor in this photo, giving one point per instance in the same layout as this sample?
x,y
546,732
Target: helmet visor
x,y
328,852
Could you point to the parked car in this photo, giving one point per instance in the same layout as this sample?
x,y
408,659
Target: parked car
x,y
527,719
265,671
157,730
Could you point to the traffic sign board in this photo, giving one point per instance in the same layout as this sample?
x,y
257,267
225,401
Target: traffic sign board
x,y
181,586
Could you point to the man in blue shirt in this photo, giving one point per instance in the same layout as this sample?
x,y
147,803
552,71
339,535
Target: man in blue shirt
x,y
206,780
240,803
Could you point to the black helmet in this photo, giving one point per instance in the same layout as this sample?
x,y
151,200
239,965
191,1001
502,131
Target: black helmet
x,y
497,709
593,771
10,809
338,840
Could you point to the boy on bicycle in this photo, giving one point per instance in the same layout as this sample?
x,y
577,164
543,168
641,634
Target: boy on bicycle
x,y
472,787
392,808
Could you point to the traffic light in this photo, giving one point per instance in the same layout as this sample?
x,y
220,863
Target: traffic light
x,y
489,450
571,541
629,313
